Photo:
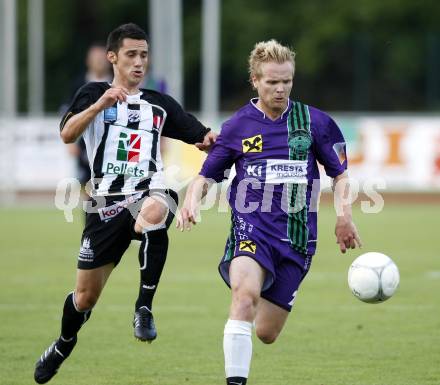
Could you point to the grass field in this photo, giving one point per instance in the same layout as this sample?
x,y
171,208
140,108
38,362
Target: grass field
x,y
331,338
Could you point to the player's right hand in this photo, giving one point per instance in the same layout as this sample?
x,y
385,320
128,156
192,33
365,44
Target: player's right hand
x,y
111,96
189,214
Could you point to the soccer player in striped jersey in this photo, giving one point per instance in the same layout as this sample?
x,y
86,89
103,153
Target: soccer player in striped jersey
x,y
275,144
122,125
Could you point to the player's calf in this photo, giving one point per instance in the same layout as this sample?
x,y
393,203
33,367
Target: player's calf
x,y
267,336
52,358
152,256
237,348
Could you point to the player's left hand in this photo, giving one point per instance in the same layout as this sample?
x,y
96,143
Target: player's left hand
x,y
208,141
346,234
185,219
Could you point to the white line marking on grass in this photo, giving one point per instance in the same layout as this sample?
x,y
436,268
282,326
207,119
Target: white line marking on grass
x,y
433,274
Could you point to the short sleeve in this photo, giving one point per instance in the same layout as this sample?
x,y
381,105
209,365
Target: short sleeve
x,y
180,124
221,157
82,100
330,148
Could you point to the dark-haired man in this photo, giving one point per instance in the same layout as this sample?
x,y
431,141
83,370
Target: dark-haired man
x,y
121,125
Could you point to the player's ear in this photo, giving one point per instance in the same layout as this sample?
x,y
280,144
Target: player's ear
x,y
111,56
254,82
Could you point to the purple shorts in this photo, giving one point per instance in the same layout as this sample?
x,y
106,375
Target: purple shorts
x,y
285,267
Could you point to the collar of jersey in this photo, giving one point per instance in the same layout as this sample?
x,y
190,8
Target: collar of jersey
x,y
140,93
135,98
261,113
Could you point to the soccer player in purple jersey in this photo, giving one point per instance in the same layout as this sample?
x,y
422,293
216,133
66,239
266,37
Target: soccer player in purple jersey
x,y
275,144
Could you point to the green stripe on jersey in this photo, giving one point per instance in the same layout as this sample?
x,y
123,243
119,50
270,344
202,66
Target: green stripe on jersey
x,y
299,141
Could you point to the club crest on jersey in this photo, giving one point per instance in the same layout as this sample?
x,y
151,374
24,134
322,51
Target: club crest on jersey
x,y
253,144
134,116
86,253
249,246
129,147
300,142
110,114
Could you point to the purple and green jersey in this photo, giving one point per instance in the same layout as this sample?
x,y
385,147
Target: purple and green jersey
x,y
276,162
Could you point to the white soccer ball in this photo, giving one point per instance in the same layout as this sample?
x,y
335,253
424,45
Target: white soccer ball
x,y
373,277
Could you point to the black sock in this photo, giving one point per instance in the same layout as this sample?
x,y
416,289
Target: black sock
x,y
236,381
72,319
152,256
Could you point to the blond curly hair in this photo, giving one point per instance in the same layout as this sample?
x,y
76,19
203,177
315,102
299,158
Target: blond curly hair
x,y
269,51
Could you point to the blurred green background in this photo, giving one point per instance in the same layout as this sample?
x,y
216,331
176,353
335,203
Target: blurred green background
x,y
351,55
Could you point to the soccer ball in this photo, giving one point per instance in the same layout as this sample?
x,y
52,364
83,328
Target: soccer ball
x,y
373,277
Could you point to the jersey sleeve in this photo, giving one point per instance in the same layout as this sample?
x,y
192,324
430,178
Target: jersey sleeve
x,y
330,147
221,157
83,99
181,125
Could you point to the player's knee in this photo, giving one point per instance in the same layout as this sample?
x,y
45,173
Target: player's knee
x,y
155,216
152,215
85,300
244,304
266,336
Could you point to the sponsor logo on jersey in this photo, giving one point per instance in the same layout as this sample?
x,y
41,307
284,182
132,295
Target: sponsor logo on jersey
x,y
277,170
339,149
86,253
129,147
255,170
110,114
253,144
286,170
109,212
124,169
248,245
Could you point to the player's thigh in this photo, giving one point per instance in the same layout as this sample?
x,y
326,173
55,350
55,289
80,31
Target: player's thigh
x,y
246,274
269,321
246,279
89,284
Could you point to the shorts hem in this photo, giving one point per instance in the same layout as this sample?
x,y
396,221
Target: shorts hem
x,y
275,302
223,269
95,265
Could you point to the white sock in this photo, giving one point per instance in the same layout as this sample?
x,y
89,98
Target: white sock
x,y
237,346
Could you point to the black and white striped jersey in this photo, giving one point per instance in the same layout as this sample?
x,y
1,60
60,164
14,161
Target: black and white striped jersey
x,y
123,141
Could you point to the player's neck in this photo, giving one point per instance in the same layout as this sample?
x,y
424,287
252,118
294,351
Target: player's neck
x,y
132,89
272,114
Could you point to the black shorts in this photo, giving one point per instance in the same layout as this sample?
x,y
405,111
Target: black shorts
x,y
109,228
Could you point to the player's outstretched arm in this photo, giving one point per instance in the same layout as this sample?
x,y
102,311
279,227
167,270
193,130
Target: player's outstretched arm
x,y
345,230
76,124
190,210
